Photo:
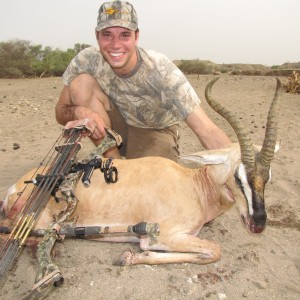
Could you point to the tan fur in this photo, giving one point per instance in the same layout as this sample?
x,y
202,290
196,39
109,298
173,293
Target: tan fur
x,y
156,190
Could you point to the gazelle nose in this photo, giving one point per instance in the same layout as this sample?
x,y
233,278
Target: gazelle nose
x,y
259,220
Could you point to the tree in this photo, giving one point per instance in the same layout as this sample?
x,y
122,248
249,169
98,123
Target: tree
x,y
15,58
78,47
18,58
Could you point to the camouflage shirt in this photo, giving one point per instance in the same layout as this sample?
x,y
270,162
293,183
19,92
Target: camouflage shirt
x,y
155,95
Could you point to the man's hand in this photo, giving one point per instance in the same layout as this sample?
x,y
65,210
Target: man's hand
x,y
87,123
81,112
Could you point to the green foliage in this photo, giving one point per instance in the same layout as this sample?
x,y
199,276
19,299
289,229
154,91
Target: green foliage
x,y
207,67
14,58
78,47
56,61
275,67
195,67
18,59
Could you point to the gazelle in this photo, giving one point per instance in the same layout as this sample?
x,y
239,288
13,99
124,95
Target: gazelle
x,y
181,200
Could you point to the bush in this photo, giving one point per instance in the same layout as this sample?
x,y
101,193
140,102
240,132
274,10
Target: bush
x,y
18,58
196,67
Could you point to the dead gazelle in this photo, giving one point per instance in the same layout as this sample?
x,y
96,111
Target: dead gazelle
x,y
179,199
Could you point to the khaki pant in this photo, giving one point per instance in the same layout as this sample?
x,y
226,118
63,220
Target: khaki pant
x,y
141,142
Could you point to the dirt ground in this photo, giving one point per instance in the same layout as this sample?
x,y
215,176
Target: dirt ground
x,y
265,266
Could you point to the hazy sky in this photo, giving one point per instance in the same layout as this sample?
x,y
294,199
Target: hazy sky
x,y
223,31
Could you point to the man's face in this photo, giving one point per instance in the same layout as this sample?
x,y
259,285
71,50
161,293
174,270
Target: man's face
x,y
118,47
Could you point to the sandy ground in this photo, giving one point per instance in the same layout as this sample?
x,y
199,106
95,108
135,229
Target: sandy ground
x,y
265,266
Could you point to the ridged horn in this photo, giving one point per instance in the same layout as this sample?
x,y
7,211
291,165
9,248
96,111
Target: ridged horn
x,y
267,151
247,151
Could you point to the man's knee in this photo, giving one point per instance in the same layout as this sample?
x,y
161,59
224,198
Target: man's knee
x,y
84,90
81,87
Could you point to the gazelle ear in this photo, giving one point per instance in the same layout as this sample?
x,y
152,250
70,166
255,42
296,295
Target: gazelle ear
x,y
205,158
277,147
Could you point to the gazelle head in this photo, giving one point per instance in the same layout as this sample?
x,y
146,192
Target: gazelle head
x,y
253,172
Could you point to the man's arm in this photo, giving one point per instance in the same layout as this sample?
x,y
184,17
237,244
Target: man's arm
x,y
66,110
209,134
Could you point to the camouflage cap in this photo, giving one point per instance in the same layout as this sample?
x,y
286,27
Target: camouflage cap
x,y
117,13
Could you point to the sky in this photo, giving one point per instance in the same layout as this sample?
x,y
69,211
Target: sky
x,y
222,31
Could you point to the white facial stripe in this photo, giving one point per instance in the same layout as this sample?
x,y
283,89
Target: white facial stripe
x,y
247,190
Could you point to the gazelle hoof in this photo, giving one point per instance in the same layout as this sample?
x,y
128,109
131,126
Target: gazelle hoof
x,y
126,258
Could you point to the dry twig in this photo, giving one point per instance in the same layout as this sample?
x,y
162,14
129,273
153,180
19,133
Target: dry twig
x,y
292,84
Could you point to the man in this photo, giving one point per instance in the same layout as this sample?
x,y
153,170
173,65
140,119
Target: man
x,y
140,94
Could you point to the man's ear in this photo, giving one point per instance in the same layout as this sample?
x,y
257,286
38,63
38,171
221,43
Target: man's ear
x,y
97,34
137,35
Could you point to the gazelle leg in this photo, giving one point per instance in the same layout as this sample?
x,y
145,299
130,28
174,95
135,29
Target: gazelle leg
x,y
183,248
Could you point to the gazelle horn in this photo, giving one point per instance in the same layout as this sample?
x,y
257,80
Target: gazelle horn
x,y
267,151
247,151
